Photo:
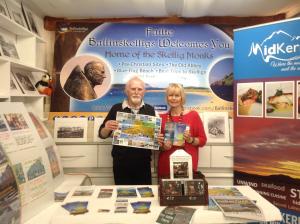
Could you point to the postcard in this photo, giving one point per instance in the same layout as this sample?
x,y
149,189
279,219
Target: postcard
x,y
105,193
145,192
126,192
76,207
141,207
137,130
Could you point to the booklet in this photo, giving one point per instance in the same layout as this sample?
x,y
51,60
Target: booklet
x,y
239,207
176,215
137,130
174,133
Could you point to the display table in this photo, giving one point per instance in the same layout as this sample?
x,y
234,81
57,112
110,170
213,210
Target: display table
x,y
202,215
70,181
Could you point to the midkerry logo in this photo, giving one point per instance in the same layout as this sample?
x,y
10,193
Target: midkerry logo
x,y
278,46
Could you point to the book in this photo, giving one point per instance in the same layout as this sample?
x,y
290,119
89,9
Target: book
x,y
239,207
176,215
174,133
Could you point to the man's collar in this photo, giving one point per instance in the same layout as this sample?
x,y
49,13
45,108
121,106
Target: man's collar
x,y
125,105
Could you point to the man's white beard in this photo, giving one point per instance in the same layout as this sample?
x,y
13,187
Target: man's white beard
x,y
136,101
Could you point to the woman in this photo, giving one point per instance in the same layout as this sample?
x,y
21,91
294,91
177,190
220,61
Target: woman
x,y
194,137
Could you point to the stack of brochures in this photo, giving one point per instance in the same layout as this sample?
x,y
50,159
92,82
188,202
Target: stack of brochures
x,y
233,204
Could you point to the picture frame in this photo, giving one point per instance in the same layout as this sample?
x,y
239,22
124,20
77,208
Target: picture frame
x,y
280,99
15,89
24,79
30,19
8,47
70,129
4,9
216,126
250,99
15,11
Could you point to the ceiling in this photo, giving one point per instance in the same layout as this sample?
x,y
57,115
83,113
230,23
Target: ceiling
x,y
83,9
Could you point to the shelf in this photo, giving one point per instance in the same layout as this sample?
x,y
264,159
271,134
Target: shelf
x,y
4,97
29,96
15,28
18,64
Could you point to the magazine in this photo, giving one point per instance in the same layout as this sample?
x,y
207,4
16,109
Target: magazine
x,y
174,133
176,215
137,130
239,207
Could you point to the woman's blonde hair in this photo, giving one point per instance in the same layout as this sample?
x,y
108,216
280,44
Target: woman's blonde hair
x,y
176,87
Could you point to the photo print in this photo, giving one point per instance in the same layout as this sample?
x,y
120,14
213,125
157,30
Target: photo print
x,y
250,99
30,19
34,168
8,47
38,125
16,121
15,89
279,99
70,129
54,164
216,127
3,127
24,78
181,169
3,8
15,11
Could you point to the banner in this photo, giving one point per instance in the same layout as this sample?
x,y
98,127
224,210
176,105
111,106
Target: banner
x,y
94,61
267,113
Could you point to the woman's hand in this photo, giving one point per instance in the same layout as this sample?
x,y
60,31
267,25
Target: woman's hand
x,y
165,145
187,136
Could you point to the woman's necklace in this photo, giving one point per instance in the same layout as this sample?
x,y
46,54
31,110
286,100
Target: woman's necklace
x,y
170,117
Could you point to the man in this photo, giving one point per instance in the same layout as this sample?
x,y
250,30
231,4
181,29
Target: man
x,y
80,85
131,166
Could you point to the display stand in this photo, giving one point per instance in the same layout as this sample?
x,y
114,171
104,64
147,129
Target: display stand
x,y
199,196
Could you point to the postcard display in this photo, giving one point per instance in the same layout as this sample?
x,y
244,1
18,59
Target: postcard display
x,y
183,187
266,119
33,155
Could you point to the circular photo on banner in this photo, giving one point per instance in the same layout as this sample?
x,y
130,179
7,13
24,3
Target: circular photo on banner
x,y
221,78
86,77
